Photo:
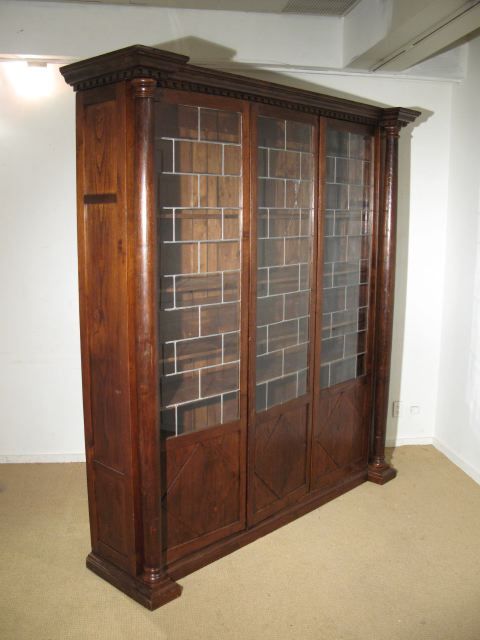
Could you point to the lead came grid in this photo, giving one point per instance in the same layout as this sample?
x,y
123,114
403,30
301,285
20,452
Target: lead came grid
x,y
284,231
199,165
347,245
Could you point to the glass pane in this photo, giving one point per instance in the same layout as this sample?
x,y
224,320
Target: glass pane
x,y
198,163
284,249
347,246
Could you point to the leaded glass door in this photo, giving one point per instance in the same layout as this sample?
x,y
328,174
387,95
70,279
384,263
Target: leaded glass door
x,y
343,384
202,191
282,303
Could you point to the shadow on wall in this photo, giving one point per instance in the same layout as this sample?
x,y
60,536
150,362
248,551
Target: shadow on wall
x,y
210,54
198,49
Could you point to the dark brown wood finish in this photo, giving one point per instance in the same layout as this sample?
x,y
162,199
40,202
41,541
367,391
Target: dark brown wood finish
x,y
116,267
146,359
102,236
252,305
317,333
379,471
204,471
172,71
279,437
312,501
204,498
340,434
162,509
143,257
342,411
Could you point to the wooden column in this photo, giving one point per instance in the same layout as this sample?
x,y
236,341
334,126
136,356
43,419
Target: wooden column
x,y
146,350
379,470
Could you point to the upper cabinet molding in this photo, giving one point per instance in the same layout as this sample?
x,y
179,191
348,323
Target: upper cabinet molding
x,y
172,71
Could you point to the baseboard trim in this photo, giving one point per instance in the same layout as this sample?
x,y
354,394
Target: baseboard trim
x,y
42,457
457,460
406,440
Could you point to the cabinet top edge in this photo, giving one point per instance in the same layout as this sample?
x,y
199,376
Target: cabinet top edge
x,y
171,70
108,68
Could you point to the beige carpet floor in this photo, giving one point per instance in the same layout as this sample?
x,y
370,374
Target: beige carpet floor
x,y
399,562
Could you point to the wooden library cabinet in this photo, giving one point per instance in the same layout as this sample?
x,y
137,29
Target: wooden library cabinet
x,y
236,265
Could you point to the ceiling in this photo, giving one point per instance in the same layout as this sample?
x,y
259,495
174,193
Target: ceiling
x,y
391,36
320,7
336,8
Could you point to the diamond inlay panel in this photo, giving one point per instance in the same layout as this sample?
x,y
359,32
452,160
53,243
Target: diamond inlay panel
x,y
346,255
280,467
198,156
284,250
189,511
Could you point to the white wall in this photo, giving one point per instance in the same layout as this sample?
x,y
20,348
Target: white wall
x,y
40,388
40,399
88,29
458,419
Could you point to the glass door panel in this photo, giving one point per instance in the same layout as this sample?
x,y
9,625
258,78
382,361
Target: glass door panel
x,y
199,168
346,255
285,201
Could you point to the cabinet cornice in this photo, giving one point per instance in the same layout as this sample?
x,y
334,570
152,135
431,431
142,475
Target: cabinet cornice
x,y
172,71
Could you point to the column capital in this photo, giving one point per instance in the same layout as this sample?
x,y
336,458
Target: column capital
x,y
144,87
394,119
392,129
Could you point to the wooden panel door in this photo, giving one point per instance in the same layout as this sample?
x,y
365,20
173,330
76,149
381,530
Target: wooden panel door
x,y
202,184
345,320
282,303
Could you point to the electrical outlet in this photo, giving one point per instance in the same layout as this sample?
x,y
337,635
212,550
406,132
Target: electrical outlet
x,y
396,408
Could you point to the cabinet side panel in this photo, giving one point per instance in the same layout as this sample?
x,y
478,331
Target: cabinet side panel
x,y
104,320
106,273
110,501
101,170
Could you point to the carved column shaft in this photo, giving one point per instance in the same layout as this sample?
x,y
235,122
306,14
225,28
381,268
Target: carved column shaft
x,y
379,471
146,327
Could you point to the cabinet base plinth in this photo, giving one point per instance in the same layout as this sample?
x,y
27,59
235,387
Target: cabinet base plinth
x,y
381,473
150,596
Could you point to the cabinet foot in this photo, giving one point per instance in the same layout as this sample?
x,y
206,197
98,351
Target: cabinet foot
x,y
150,595
381,473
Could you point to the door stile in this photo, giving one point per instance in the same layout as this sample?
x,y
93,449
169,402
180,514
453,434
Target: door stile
x,y
377,198
245,252
315,279
252,308
317,335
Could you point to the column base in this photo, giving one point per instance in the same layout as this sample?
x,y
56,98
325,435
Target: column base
x,y
381,473
151,596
